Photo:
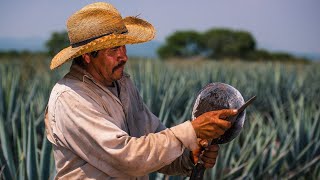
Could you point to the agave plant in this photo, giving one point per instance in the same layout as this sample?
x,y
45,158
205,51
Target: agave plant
x,y
25,152
280,139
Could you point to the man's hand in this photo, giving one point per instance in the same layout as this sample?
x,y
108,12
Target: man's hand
x,y
208,156
210,125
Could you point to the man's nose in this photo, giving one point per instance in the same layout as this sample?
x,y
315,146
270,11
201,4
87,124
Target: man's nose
x,y
122,53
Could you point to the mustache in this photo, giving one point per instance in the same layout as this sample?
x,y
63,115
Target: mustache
x,y
122,63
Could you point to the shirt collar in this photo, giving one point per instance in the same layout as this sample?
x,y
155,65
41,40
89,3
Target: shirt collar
x,y
81,74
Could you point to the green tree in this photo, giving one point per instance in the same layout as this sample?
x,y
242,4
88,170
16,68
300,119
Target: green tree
x,y
259,54
181,44
214,43
245,43
227,43
57,42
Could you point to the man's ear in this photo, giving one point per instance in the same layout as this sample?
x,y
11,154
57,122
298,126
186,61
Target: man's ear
x,y
86,58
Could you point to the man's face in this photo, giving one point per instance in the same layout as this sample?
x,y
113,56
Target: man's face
x,y
108,66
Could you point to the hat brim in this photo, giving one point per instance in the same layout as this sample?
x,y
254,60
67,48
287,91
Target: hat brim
x,y
139,31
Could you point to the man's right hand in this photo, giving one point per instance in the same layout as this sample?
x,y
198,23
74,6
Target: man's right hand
x,y
210,125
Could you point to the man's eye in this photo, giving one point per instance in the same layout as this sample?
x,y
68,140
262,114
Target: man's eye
x,y
115,48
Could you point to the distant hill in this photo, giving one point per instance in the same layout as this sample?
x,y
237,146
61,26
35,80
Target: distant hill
x,y
148,50
20,44
37,44
311,56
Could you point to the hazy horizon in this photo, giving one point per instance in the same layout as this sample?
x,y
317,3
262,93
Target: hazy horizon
x,y
288,25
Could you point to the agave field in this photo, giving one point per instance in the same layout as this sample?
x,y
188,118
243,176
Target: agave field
x,y
280,139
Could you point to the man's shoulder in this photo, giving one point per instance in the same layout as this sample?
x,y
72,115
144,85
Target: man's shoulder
x,y
60,87
66,85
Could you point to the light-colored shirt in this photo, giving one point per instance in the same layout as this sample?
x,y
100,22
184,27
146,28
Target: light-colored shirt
x,y
96,135
114,89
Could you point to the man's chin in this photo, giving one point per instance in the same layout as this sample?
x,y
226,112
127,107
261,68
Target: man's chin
x,y
118,75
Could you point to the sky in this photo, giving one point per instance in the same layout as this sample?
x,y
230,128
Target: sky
x,y
277,25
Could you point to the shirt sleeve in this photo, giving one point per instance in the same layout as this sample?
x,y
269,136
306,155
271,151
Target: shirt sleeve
x,y
181,165
87,130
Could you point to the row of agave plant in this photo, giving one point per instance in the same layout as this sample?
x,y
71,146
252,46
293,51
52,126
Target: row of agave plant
x,y
280,138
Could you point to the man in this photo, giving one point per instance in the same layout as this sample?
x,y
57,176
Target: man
x,y
96,120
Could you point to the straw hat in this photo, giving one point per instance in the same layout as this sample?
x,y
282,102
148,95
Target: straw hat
x,y
98,26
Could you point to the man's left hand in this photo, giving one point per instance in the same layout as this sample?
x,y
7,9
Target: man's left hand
x,y
208,156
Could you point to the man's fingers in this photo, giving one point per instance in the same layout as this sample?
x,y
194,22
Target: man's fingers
x,y
210,134
213,147
208,162
222,123
218,130
210,155
223,113
209,165
195,154
210,125
195,159
203,143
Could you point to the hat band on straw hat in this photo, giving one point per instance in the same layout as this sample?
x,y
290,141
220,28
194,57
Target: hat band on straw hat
x,y
98,26
81,43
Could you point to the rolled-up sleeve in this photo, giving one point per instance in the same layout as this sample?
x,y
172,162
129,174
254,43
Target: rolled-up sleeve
x,y
84,127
